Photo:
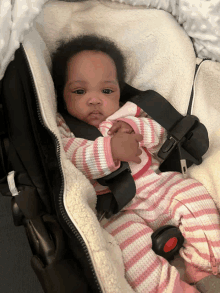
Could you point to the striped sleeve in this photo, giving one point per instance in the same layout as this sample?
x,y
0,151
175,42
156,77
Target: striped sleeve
x,y
154,135
92,158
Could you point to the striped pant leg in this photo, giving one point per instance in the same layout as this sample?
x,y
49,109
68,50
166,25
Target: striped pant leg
x,y
194,211
145,271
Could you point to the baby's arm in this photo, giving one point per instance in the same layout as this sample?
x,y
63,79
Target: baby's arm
x,y
92,158
154,135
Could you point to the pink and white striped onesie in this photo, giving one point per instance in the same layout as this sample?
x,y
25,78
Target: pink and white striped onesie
x,y
161,199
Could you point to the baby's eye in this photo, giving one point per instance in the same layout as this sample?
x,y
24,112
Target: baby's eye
x,y
106,91
79,92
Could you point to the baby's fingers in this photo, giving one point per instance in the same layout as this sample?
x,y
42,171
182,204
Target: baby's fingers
x,y
138,137
136,160
115,127
124,130
139,152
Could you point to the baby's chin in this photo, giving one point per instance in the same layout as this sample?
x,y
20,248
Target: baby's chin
x,y
95,122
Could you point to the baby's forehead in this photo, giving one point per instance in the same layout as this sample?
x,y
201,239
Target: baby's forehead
x,y
89,55
88,63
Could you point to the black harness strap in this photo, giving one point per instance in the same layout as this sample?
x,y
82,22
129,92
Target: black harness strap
x,y
187,138
120,182
158,108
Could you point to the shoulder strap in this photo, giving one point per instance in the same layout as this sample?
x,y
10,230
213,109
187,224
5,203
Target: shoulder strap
x,y
158,108
120,182
181,149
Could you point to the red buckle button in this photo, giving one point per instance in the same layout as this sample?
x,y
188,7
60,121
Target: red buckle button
x,y
170,244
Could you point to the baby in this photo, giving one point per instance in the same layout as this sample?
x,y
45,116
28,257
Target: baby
x,y
89,74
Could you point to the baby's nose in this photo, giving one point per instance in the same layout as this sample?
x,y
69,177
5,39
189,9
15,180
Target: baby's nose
x,y
94,100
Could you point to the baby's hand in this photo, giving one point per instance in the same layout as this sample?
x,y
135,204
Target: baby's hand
x,y
120,126
125,147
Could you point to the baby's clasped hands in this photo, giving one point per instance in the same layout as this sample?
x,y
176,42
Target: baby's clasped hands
x,y
125,147
120,126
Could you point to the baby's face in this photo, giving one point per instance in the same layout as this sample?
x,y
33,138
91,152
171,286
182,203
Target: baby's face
x,y
92,91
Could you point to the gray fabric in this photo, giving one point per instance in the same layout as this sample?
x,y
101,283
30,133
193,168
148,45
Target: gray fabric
x,y
16,274
210,284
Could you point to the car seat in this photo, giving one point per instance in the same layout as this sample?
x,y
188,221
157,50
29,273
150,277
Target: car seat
x,y
33,152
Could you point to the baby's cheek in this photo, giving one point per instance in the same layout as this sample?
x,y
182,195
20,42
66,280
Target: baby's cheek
x,y
105,103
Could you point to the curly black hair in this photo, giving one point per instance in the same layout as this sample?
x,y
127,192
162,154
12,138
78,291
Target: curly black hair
x,y
67,49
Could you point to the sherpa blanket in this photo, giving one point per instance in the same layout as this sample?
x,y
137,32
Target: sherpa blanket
x,y
199,18
159,56
16,17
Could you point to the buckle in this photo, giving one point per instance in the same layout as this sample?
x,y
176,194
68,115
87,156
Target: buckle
x,y
167,147
177,135
183,167
167,241
123,168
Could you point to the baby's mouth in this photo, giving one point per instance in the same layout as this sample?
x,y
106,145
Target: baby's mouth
x,y
95,114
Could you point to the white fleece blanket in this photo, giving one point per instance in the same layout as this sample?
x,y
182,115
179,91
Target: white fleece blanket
x,y
199,18
159,56
16,17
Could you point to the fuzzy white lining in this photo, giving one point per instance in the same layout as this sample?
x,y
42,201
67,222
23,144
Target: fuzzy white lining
x,y
199,18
